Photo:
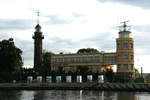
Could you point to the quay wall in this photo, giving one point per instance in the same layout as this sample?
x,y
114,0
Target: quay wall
x,y
77,86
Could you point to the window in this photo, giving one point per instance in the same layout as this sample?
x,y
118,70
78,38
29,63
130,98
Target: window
x,y
96,58
131,45
88,59
118,57
123,35
65,59
112,59
75,59
132,57
118,45
118,67
125,45
132,67
53,60
125,57
126,66
72,59
92,59
56,60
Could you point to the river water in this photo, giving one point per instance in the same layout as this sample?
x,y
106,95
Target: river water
x,y
72,95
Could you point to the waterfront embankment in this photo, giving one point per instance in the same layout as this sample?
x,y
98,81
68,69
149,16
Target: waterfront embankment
x,y
76,86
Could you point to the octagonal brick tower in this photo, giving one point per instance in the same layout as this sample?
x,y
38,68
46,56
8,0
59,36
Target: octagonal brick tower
x,y
38,37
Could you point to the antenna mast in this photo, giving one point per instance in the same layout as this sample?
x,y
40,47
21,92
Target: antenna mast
x,y
125,27
38,14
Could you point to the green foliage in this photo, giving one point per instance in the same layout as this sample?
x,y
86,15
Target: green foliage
x,y
147,78
46,62
60,71
87,50
109,75
123,77
10,58
139,80
47,59
82,70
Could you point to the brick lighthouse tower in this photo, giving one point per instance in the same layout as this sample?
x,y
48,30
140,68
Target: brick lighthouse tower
x,y
125,52
38,37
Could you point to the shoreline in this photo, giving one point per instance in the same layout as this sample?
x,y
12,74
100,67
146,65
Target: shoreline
x,y
77,86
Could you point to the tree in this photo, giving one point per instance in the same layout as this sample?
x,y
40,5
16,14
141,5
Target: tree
x,y
109,74
123,77
87,50
82,69
46,63
85,69
10,57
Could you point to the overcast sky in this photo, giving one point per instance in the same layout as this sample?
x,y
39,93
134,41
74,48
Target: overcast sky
x,y
69,25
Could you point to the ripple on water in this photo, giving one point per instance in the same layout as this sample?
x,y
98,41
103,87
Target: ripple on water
x,y
72,95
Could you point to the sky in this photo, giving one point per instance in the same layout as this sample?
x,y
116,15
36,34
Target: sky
x,y
69,25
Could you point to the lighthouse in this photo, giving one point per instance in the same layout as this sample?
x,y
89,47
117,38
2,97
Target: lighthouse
x,y
38,37
125,50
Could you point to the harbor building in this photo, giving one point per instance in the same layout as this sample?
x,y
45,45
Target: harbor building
x,y
123,57
94,61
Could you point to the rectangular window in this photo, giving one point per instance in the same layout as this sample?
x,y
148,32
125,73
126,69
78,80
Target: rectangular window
x,y
126,66
75,59
72,59
131,45
92,59
65,59
118,57
96,58
125,45
118,67
132,67
132,57
125,56
118,45
86,59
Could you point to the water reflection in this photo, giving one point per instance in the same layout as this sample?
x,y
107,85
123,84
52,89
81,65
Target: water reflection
x,y
142,96
39,95
11,95
27,95
72,95
98,95
126,96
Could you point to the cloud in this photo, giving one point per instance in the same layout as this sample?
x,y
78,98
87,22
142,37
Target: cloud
x,y
4,36
16,24
144,27
27,46
58,19
75,14
54,19
139,3
57,44
142,38
101,41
